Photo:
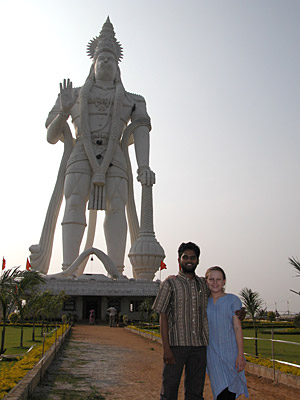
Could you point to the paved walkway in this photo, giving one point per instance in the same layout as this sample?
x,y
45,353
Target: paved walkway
x,y
102,363
82,369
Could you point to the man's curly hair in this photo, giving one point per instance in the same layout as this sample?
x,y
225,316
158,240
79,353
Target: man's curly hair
x,y
188,246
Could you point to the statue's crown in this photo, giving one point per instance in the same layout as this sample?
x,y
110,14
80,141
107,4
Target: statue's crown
x,y
106,41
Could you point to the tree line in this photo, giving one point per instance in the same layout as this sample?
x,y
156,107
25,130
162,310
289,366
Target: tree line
x,y
20,293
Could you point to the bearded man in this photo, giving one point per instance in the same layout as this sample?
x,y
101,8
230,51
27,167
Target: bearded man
x,y
181,303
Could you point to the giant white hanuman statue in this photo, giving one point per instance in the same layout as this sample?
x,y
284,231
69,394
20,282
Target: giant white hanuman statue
x,y
95,168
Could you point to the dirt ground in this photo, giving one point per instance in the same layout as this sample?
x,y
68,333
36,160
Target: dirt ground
x,y
140,365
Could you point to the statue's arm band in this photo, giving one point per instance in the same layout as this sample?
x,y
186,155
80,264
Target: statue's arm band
x,y
142,121
63,114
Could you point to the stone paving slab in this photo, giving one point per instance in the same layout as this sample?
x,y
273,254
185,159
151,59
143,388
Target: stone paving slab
x,y
81,371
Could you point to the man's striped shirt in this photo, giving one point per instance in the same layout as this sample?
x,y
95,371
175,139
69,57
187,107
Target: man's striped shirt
x,y
184,301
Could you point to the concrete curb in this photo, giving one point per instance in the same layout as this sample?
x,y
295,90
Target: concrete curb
x,y
146,335
280,377
251,368
26,386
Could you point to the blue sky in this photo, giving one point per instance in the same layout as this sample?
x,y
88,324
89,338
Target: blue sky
x,y
222,84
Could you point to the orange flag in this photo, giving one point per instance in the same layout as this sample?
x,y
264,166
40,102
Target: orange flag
x,y
3,264
28,265
162,265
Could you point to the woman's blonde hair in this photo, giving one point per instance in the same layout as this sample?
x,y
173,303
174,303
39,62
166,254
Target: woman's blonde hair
x,y
216,268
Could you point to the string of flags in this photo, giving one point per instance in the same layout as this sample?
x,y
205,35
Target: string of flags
x,y
28,265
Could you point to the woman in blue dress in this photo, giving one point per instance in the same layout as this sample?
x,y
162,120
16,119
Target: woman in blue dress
x,y
225,353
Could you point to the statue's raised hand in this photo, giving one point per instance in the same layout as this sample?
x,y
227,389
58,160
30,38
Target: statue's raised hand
x,y
67,96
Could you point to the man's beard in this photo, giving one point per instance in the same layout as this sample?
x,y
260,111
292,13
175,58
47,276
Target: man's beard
x,y
188,270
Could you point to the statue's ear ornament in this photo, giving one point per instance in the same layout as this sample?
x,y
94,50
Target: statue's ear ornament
x,y
106,41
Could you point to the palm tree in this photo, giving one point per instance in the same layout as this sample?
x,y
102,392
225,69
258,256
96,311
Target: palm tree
x,y
146,306
35,305
262,313
7,286
57,302
295,263
25,288
44,307
253,304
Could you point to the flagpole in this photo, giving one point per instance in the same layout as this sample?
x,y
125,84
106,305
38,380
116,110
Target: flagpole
x,y
162,266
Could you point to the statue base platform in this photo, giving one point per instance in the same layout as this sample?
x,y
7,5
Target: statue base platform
x,y
99,292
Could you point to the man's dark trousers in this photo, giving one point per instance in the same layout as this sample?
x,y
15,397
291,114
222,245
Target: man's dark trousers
x,y
194,360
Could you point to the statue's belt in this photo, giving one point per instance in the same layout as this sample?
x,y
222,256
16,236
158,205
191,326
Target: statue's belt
x,y
97,139
79,154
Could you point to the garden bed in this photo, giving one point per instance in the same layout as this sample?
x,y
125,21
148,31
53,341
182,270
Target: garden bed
x,y
25,387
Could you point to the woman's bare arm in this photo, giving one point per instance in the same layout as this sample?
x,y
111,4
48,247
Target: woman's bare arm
x,y
240,362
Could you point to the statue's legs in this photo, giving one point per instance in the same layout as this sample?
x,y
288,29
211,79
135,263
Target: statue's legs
x,y
115,224
76,189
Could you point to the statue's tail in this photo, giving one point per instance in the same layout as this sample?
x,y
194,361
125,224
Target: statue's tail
x,y
41,253
73,270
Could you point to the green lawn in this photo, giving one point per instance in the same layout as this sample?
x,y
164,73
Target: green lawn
x,y
282,351
12,339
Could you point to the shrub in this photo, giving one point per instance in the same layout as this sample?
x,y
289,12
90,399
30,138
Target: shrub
x,y
287,369
271,316
64,318
297,321
154,317
13,317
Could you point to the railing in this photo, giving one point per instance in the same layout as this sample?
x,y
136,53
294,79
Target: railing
x,y
273,352
148,326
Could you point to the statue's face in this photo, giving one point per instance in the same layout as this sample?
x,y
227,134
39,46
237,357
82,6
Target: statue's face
x,y
105,66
